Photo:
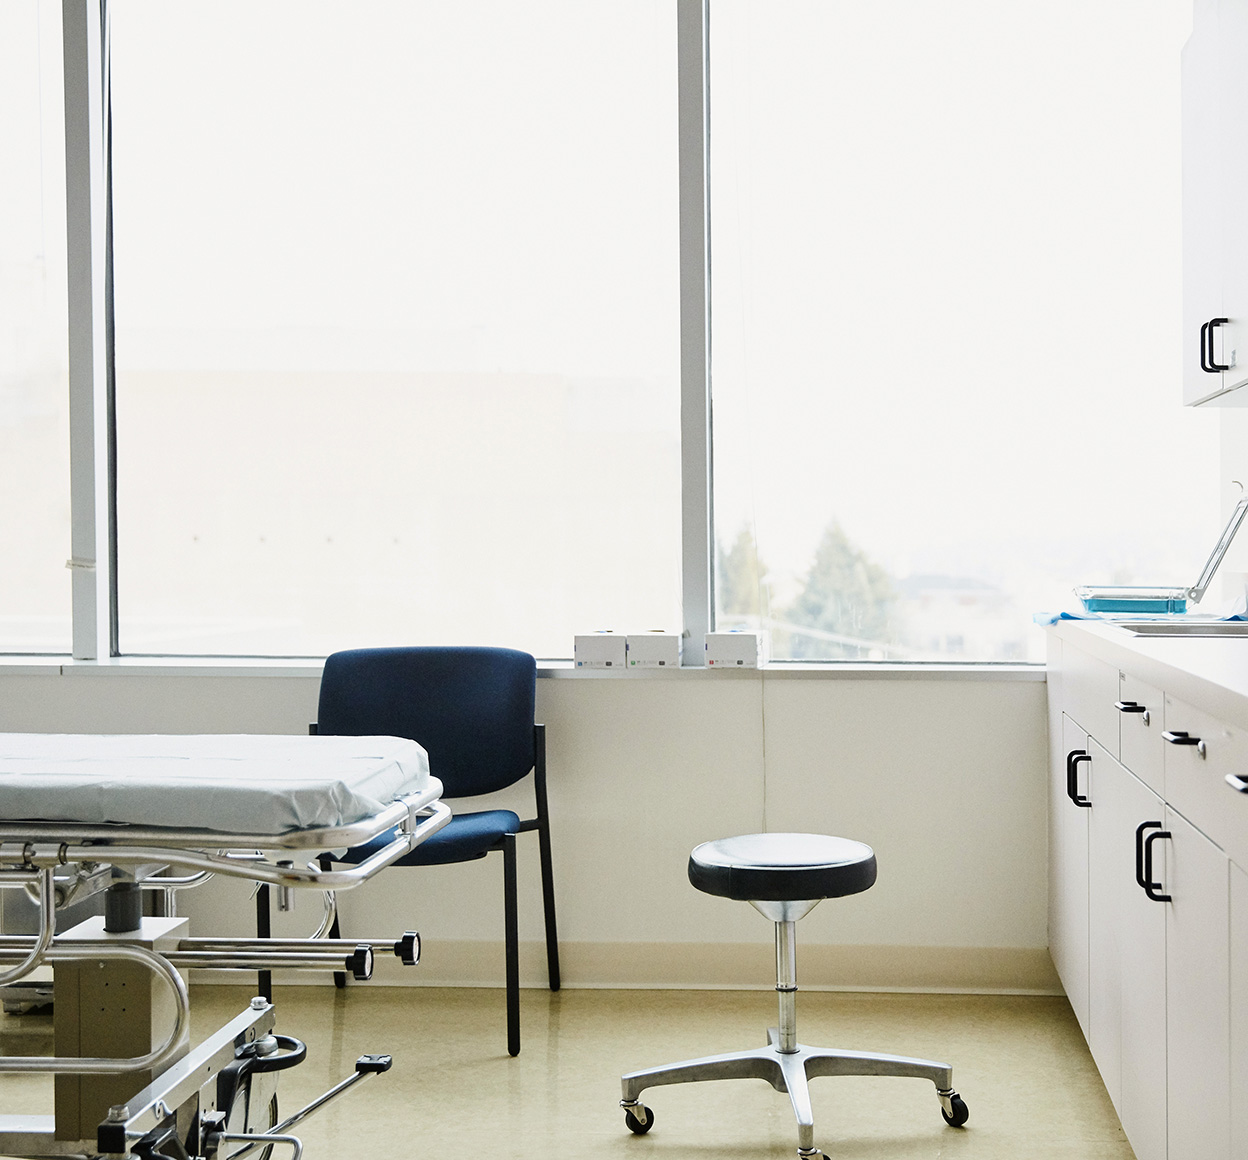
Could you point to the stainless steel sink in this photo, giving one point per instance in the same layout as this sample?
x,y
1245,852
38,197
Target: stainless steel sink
x,y
1184,627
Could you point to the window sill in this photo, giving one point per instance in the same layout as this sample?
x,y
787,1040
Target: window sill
x,y
310,667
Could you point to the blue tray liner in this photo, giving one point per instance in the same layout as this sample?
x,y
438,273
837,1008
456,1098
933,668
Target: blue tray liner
x,y
1047,618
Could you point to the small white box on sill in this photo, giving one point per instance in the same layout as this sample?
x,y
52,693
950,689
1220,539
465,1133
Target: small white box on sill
x,y
600,650
741,649
653,650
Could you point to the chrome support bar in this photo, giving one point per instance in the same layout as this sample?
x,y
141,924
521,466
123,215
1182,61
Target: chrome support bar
x,y
259,1138
360,1073
328,914
240,945
93,1065
258,961
47,928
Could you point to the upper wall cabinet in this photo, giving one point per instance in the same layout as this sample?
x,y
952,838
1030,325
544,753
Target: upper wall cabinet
x,y
1215,205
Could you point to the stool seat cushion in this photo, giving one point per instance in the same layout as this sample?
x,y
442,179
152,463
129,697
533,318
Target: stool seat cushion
x,y
782,867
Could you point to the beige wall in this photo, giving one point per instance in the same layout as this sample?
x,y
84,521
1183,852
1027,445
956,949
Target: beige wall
x,y
943,775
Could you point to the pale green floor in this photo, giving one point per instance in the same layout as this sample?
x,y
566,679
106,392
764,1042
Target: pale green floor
x,y
1020,1063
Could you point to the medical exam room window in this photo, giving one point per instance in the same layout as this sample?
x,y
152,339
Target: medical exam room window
x,y
396,323
34,376
946,299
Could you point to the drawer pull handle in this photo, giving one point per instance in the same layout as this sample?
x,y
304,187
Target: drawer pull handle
x,y
1237,782
1179,737
1073,758
1134,707
1140,879
1151,888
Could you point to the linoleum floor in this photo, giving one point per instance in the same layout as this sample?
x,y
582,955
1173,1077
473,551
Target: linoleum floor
x,y
1019,1062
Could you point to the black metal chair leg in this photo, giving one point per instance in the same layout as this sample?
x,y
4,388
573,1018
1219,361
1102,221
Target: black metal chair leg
x,y
512,934
548,903
543,846
340,978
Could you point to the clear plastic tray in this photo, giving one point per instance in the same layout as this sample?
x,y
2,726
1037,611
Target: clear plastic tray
x,y
1134,600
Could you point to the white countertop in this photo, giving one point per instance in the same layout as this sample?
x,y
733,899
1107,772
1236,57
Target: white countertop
x,y
1210,673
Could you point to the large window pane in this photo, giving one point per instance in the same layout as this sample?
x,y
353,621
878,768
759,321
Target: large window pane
x,y
947,278
396,322
34,390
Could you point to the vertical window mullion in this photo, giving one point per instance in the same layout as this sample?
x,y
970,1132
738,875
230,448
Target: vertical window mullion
x,y
695,325
84,31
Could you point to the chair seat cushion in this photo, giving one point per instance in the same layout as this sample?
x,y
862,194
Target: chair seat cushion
x,y
463,838
782,867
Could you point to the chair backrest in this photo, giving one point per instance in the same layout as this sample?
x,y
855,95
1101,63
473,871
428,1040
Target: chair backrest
x,y
471,708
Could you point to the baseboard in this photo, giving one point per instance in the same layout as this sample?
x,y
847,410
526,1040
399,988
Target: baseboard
x,y
727,966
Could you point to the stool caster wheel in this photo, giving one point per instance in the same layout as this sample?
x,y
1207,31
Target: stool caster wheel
x,y
956,1113
638,1118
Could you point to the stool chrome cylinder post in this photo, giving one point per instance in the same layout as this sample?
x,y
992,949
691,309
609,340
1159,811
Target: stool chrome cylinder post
x,y
786,985
784,876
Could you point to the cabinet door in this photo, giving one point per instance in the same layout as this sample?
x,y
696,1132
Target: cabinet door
x,y
1127,957
1203,216
1106,820
1232,40
1197,994
1142,926
1239,1011
1068,873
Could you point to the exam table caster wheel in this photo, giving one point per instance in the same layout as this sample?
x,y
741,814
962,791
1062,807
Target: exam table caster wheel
x,y
957,1113
638,1118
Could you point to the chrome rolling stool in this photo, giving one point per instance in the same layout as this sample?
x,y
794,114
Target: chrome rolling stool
x,y
784,876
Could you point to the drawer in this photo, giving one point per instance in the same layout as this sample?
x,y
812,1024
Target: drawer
x,y
1141,714
1090,688
1195,776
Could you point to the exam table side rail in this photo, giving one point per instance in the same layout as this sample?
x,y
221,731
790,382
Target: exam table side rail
x,y
30,953
37,850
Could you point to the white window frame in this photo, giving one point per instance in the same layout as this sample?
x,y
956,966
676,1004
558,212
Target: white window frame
x,y
86,54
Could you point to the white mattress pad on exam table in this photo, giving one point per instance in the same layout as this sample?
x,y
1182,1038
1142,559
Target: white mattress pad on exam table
x,y
233,784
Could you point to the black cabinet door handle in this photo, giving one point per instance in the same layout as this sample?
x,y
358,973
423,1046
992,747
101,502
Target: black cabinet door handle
x,y
1236,782
1073,758
1204,344
1181,737
1130,707
1214,367
1151,888
1140,880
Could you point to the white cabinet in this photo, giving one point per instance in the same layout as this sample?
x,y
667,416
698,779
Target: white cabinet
x,y
1215,213
1239,1011
1127,954
1148,910
1068,867
1197,995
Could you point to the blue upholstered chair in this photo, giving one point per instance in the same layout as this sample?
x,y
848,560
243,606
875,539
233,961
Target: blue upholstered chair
x,y
472,709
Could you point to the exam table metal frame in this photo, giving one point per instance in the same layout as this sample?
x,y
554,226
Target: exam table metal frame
x,y
174,1117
